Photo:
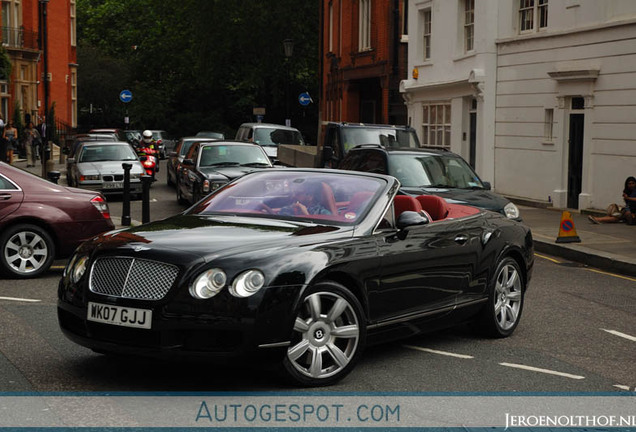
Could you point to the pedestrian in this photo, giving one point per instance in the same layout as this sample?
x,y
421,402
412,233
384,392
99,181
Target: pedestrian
x,y
4,150
11,134
33,143
628,213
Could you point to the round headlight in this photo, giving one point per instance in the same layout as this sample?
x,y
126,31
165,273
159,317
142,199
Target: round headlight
x,y
208,284
511,211
247,283
78,269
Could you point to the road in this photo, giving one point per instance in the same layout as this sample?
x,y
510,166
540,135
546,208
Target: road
x,y
576,335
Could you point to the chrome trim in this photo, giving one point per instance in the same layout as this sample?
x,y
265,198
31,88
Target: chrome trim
x,y
275,345
424,314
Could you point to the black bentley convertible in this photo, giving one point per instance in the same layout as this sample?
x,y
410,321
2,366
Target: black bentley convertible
x,y
304,266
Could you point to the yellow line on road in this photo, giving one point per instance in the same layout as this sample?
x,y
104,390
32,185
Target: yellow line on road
x,y
57,267
612,274
548,258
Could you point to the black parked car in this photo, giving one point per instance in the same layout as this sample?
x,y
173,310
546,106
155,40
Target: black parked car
x,y
176,157
430,171
209,165
247,271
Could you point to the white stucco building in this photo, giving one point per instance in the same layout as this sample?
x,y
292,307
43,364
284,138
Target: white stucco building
x,y
539,95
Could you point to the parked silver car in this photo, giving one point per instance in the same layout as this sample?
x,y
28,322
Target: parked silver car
x,y
269,136
98,166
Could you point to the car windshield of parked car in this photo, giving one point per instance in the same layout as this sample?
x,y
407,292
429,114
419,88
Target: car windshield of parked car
x,y
432,170
101,153
390,138
274,137
239,155
291,195
215,135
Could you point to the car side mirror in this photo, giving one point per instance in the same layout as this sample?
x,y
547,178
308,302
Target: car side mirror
x,y
487,185
187,162
411,218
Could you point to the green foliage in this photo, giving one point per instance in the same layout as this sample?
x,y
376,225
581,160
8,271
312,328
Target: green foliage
x,y
196,64
5,64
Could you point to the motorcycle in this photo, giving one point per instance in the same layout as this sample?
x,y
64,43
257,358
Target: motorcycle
x,y
149,159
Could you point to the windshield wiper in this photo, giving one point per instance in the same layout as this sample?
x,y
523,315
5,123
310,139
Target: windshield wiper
x,y
438,185
473,187
224,164
255,164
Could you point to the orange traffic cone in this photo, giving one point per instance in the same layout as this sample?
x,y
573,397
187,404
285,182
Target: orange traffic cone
x,y
567,231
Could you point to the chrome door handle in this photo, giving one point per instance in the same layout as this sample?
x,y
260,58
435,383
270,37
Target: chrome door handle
x,y
5,196
461,238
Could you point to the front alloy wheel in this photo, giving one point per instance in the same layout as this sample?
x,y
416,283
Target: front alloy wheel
x,y
26,251
501,316
328,336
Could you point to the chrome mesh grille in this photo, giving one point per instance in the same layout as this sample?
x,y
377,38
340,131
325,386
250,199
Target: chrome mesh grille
x,y
132,278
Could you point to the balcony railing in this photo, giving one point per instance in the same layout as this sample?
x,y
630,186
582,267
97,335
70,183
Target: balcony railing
x,y
17,37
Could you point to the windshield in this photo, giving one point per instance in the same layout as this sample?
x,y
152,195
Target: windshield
x,y
433,170
389,137
293,195
274,137
217,155
100,153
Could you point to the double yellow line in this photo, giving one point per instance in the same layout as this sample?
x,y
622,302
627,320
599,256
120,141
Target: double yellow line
x,y
588,269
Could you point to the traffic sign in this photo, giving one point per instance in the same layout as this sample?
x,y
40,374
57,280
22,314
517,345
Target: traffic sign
x,y
125,96
304,99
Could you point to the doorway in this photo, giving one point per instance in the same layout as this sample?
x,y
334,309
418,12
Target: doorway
x,y
575,159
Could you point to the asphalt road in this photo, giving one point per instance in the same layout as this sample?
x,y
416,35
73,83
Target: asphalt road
x,y
576,335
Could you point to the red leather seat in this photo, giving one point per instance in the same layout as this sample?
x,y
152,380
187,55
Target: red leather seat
x,y
435,206
402,203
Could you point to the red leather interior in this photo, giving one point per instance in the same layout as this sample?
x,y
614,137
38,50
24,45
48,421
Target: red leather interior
x,y
434,205
404,203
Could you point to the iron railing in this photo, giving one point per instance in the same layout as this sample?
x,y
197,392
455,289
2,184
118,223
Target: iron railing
x,y
17,37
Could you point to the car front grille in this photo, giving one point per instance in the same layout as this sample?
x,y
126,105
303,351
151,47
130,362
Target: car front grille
x,y
132,278
115,177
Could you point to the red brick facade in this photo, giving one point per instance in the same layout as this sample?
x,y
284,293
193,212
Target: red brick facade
x,y
362,85
22,37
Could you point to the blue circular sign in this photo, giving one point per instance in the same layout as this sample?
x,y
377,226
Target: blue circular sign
x,y
125,96
304,99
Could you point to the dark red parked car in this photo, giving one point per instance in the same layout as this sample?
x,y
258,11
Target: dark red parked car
x,y
41,221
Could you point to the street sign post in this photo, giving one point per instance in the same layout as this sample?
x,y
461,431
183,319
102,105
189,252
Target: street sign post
x,y
125,96
304,99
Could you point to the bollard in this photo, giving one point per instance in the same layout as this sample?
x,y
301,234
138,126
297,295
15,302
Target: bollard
x,y
125,216
146,181
53,176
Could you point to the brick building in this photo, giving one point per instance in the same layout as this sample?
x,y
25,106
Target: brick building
x,y
363,58
23,29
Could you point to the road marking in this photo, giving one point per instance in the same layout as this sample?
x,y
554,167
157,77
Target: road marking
x,y
57,267
613,274
446,353
20,299
619,334
548,258
623,387
546,371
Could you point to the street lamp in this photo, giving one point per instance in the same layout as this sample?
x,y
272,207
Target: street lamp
x,y
288,46
45,67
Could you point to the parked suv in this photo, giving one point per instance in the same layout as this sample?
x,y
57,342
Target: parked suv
x,y
269,136
430,171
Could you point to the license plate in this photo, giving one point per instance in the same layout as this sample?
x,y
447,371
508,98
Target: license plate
x,y
118,315
114,185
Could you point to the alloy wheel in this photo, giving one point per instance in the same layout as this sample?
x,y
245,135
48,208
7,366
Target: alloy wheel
x,y
508,297
26,252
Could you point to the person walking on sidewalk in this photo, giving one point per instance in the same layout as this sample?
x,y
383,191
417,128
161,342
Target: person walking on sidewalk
x,y
628,214
11,135
32,143
4,148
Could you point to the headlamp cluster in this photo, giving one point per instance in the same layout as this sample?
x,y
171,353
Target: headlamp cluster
x,y
211,282
76,267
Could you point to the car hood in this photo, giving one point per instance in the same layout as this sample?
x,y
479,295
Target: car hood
x,y
109,167
211,236
477,198
228,172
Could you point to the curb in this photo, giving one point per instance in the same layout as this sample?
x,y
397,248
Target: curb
x,y
589,257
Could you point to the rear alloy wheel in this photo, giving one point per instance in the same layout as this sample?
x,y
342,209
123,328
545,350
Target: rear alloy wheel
x,y
180,198
505,304
26,251
328,336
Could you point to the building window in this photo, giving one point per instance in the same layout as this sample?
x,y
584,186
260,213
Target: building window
x,y
547,127
4,104
73,24
73,98
426,34
532,12
469,25
364,26
330,27
436,125
405,21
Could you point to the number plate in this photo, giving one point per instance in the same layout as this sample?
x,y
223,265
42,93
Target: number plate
x,y
114,185
118,315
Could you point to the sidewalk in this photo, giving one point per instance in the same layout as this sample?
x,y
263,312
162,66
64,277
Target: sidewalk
x,y
611,247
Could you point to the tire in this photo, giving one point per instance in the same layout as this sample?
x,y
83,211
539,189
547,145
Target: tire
x,y
501,315
26,251
168,179
324,350
180,198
